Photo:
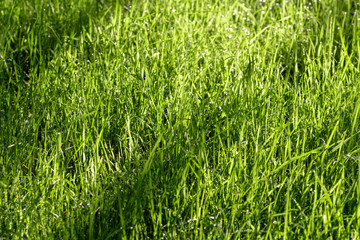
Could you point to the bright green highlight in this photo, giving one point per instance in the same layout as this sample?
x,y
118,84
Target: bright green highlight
x,y
179,119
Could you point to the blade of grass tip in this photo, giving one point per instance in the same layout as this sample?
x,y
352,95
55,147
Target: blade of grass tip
x,y
341,142
193,170
288,207
347,57
355,118
95,112
130,137
326,193
259,33
151,156
304,155
328,143
275,136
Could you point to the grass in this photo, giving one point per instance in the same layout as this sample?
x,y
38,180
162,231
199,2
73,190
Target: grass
x,y
179,119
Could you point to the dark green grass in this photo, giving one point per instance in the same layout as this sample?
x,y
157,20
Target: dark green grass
x,y
179,119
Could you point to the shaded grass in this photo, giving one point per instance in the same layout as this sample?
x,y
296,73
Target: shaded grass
x,y
179,120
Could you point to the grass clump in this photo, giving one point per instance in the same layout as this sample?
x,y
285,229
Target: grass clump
x,y
179,119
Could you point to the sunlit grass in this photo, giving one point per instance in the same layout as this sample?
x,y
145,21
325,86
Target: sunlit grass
x,y
179,119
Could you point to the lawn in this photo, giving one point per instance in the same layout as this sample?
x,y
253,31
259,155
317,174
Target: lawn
x,y
179,119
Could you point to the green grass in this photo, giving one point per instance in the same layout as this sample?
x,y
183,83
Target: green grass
x,y
179,119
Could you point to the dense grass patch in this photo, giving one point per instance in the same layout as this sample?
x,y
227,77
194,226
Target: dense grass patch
x,y
179,119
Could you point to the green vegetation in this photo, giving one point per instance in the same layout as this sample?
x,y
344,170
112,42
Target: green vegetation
x,y
179,119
